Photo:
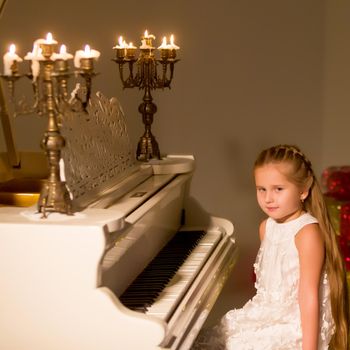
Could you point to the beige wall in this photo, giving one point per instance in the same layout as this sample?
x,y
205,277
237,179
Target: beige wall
x,y
252,74
336,144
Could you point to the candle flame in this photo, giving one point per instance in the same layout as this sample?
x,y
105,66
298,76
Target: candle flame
x,y
87,50
120,41
63,49
131,44
164,41
49,38
146,33
12,49
171,39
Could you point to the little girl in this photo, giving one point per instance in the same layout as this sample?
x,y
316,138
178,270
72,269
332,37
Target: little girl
x,y
301,298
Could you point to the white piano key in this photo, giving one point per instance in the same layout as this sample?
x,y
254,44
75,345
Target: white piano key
x,y
171,295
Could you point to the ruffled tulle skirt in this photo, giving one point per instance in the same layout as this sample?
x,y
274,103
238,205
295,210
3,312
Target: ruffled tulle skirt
x,y
257,326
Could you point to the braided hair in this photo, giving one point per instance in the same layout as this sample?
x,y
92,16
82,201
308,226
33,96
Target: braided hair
x,y
302,175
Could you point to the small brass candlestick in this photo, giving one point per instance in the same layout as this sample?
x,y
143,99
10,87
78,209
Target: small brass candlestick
x,y
147,79
54,196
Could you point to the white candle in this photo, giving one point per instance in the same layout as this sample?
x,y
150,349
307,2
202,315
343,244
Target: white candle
x,y
63,55
172,45
87,53
121,44
48,41
147,38
130,46
164,44
9,59
62,170
35,56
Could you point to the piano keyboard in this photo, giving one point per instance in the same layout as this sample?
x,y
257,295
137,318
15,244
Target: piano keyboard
x,y
160,286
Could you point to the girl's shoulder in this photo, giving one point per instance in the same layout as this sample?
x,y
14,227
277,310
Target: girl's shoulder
x,y
309,241
307,218
305,223
309,233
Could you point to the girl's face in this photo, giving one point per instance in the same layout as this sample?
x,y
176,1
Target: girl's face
x,y
277,196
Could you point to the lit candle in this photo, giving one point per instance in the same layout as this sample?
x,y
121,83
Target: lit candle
x,y
121,47
63,55
146,41
148,36
10,60
88,53
48,41
36,53
131,46
47,45
121,43
35,56
164,45
130,50
172,45
164,49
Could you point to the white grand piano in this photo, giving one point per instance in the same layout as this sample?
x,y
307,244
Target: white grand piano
x,y
133,268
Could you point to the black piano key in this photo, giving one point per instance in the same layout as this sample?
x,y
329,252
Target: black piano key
x,y
152,280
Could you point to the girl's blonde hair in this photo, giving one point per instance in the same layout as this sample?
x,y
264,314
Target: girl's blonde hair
x,y
303,176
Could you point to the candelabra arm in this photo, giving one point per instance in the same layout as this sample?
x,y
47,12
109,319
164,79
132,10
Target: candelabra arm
x,y
35,88
171,72
88,84
121,74
63,89
164,78
131,81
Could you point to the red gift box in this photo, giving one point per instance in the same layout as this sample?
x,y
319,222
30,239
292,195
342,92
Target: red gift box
x,y
336,185
336,182
344,238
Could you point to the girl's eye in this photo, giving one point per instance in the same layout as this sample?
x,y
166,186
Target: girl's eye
x,y
261,189
278,189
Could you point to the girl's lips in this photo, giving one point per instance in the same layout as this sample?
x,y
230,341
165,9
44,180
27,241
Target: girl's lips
x,y
271,208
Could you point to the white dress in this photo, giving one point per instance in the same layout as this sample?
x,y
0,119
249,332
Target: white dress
x,y
271,319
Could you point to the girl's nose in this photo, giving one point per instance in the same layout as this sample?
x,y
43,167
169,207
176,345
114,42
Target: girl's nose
x,y
268,197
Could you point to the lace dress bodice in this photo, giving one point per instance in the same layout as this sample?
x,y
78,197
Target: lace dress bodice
x,y
271,319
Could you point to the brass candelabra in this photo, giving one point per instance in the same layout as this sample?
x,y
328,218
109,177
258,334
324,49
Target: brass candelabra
x,y
146,77
49,74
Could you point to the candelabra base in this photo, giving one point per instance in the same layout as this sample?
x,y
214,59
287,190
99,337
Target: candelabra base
x,y
147,148
54,197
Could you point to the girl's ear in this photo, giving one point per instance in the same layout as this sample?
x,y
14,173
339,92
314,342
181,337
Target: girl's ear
x,y
303,195
305,192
